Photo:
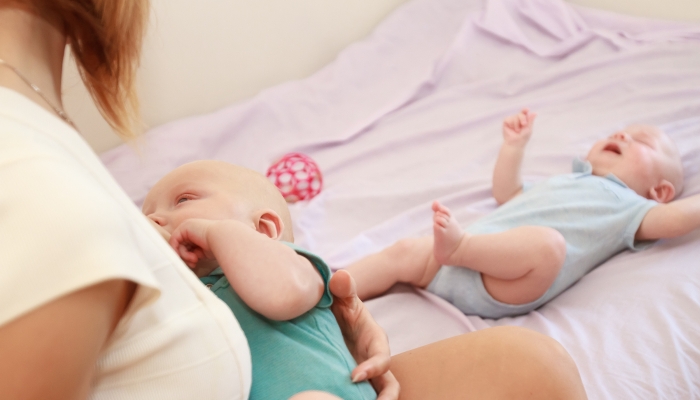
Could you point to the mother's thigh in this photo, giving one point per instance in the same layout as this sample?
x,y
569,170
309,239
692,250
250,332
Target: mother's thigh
x,y
494,363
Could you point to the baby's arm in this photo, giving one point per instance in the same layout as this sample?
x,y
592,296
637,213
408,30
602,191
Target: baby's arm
x,y
507,182
270,277
671,219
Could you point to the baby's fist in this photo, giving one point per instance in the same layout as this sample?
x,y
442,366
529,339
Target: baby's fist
x,y
517,128
190,241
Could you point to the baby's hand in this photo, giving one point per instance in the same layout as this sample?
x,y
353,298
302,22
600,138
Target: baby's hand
x,y
517,129
190,241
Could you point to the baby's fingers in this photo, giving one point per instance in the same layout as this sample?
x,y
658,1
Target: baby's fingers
x,y
523,117
531,117
188,252
188,255
512,122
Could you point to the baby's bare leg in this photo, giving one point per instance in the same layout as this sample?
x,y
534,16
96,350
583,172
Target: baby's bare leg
x,y
517,265
407,261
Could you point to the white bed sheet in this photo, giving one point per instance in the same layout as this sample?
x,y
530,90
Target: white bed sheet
x,y
413,114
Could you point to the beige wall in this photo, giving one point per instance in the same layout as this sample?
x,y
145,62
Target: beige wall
x,y
202,55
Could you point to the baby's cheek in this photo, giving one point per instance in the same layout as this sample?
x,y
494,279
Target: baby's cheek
x,y
645,166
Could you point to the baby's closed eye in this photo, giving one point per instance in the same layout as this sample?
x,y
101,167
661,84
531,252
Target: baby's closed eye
x,y
183,198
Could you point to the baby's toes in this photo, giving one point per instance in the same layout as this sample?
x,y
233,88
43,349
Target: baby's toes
x,y
445,216
442,221
444,210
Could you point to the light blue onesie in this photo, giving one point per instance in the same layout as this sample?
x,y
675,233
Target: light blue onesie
x,y
598,217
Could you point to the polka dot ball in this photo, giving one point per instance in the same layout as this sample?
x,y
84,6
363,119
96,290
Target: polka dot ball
x,y
297,176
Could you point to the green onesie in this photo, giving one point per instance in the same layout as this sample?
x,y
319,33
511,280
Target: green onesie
x,y
305,353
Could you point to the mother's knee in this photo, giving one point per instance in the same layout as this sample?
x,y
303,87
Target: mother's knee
x,y
543,359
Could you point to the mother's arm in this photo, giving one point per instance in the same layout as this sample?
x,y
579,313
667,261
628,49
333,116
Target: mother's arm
x,y
365,339
50,353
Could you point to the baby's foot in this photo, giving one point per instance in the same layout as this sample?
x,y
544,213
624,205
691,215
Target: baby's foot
x,y
446,232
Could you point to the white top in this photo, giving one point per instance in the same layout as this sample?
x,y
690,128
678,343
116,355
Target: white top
x,y
65,224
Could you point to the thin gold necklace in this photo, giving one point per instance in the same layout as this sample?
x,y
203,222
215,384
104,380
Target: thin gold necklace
x,y
38,91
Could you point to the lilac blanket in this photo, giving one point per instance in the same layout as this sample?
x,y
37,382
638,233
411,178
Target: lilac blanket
x,y
413,114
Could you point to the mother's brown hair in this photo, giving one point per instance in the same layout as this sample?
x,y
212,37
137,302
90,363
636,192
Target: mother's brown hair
x,y
105,37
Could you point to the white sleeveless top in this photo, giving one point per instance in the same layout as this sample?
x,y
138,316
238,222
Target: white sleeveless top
x,y
65,224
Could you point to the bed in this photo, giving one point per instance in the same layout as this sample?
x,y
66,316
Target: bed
x,y
413,113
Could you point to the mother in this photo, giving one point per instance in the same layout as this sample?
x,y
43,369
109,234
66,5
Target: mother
x,y
93,303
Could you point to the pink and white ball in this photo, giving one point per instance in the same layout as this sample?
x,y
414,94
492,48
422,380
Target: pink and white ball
x,y
297,176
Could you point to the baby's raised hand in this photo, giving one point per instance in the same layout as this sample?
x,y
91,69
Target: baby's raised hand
x,y
190,241
517,128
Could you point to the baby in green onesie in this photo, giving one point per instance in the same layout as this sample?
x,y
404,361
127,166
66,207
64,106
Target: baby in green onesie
x,y
233,228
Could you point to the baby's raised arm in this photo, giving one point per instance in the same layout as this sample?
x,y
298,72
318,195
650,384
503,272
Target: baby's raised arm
x,y
507,182
270,277
672,219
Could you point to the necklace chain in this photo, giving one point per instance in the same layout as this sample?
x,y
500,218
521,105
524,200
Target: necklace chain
x,y
38,91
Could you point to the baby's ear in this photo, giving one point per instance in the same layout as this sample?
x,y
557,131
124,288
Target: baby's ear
x,y
269,223
664,192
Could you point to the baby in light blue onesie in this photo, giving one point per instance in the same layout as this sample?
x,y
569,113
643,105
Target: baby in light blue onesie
x,y
545,238
597,217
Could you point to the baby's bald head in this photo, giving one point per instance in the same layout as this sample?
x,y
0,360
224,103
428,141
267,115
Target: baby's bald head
x,y
644,158
222,190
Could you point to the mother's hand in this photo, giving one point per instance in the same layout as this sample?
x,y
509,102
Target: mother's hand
x,y
365,339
